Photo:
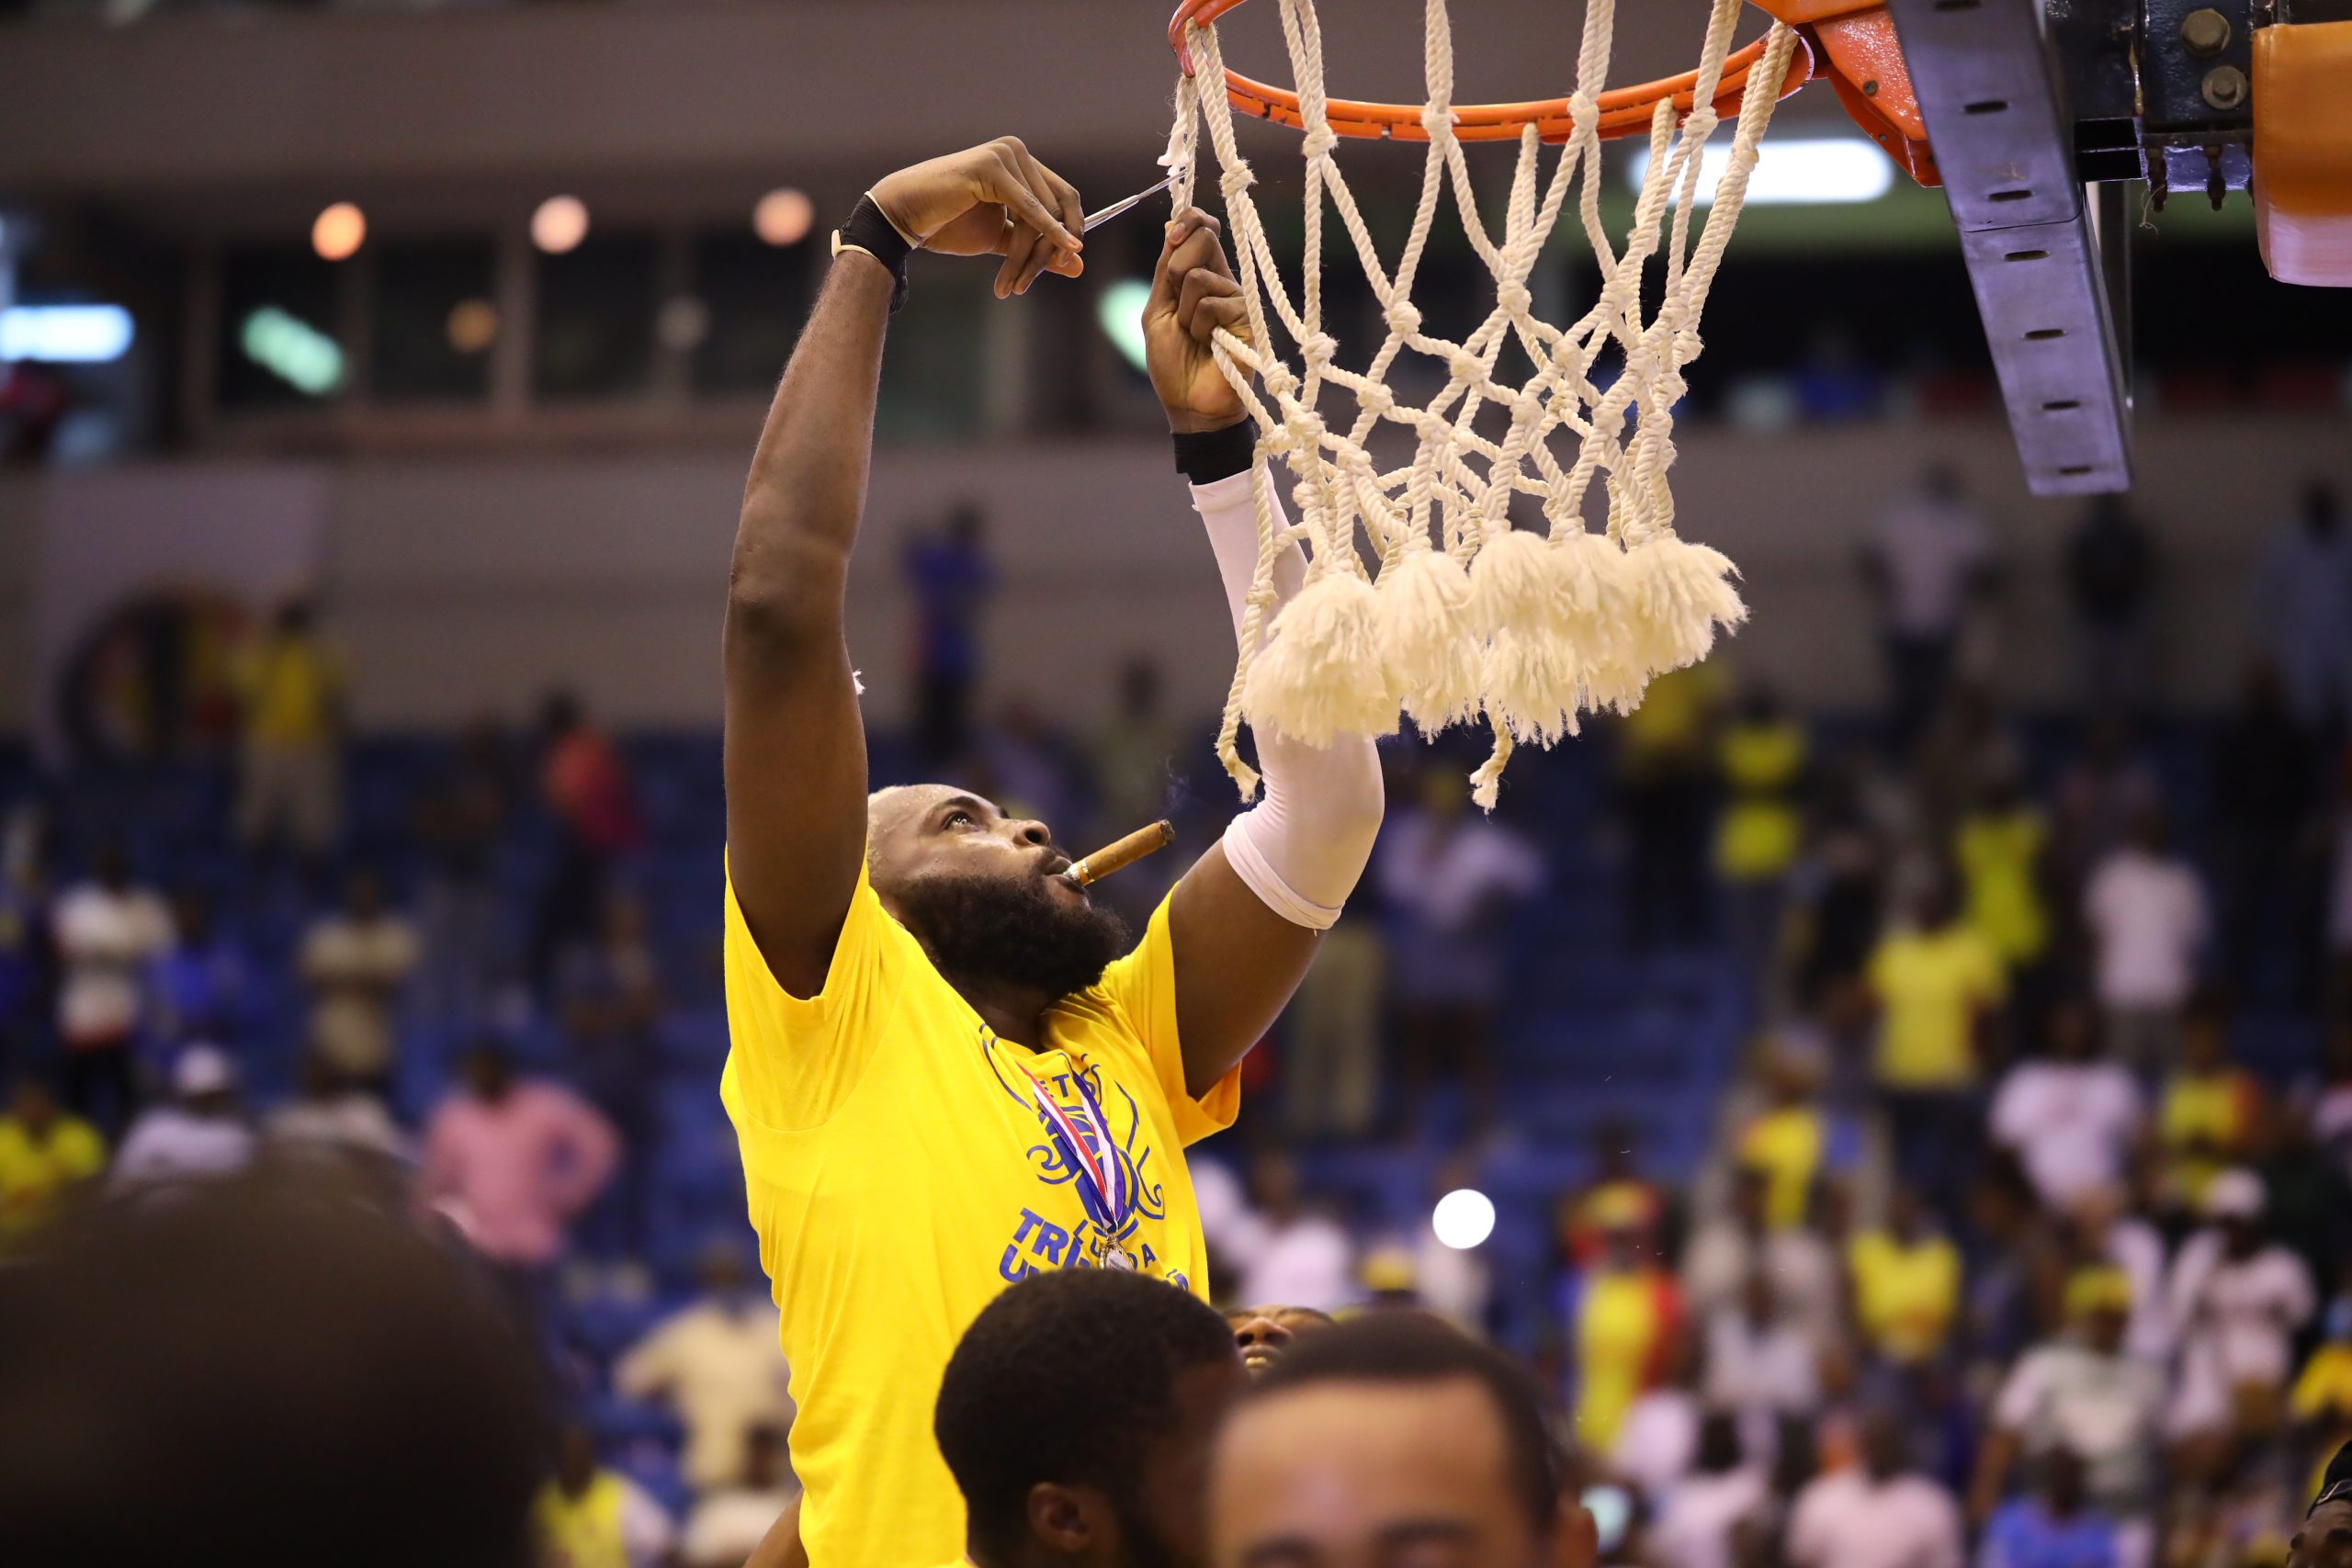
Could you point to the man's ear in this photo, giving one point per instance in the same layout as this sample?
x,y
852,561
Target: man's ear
x,y
1067,1518
1575,1540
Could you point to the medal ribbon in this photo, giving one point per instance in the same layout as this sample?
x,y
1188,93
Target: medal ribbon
x,y
1103,1187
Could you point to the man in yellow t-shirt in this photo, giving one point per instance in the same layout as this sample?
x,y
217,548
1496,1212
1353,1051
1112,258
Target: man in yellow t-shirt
x,y
1936,981
945,1076
45,1153
290,680
1906,1283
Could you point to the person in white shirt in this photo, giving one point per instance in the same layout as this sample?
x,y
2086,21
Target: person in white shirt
x,y
1728,1249
2237,1300
730,1522
1930,555
109,932
1285,1250
1658,1444
356,962
1762,1365
2147,915
197,1134
716,1362
1704,1521
331,1120
2071,1116
1881,1514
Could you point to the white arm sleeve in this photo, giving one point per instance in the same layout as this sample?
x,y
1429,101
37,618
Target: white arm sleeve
x,y
1304,843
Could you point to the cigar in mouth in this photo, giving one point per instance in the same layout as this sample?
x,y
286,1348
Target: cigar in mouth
x,y
1119,854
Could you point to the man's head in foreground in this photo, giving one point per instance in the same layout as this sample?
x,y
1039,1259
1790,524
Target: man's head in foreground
x,y
1392,1437
1077,1414
2325,1539
983,892
1263,1334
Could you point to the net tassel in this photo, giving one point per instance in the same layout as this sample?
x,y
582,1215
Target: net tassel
x,y
1683,592
1422,603
1520,593
1602,607
1321,674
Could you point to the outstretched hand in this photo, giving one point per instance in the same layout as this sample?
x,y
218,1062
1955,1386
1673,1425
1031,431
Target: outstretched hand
x,y
1192,294
993,199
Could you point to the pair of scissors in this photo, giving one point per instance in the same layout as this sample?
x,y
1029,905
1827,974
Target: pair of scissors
x,y
1094,220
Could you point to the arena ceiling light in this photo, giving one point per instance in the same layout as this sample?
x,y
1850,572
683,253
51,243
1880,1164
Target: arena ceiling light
x,y
292,350
783,216
1464,1218
1797,172
338,231
1119,311
65,335
559,224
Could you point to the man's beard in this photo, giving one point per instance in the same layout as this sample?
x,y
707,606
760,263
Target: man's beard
x,y
1012,930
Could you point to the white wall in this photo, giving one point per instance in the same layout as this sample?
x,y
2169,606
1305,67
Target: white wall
x,y
465,586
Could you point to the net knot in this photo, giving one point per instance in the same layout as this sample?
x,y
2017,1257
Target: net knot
x,y
1438,120
1403,319
1467,366
1375,399
1279,379
1514,298
1319,141
1238,179
1318,349
1583,112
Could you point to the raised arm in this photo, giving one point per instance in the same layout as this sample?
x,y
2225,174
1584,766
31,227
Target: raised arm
x,y
796,746
1245,918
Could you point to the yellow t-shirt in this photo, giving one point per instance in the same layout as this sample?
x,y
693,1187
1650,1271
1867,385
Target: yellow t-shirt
x,y
1929,984
1904,1296
900,1174
1997,857
1760,833
2325,1386
582,1532
1785,1144
291,686
1619,1323
35,1178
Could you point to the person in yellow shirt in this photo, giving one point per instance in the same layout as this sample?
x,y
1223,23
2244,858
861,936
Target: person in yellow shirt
x,y
1936,982
1761,758
1626,1316
291,786
2212,1108
1785,1142
1907,1284
944,1076
1112,1463
2001,849
589,1516
45,1155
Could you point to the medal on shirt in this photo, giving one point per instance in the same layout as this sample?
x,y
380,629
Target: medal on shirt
x,y
1104,1189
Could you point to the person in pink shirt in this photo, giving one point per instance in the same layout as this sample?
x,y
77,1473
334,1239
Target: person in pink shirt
x,y
512,1161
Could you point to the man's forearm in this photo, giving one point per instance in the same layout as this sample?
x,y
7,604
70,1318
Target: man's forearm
x,y
807,488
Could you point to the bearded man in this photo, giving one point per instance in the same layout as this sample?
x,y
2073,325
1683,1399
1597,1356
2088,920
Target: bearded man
x,y
950,1069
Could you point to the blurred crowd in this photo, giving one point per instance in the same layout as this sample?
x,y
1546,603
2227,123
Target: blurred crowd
x,y
2020,1232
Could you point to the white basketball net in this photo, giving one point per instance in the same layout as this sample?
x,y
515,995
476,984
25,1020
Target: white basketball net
x,y
1470,615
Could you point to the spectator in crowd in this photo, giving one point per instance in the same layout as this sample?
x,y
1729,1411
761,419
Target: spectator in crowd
x,y
1763,1365
716,1362
951,580
1930,559
1112,1463
586,788
1717,1517
291,681
109,932
1392,1429
728,1522
332,1117
357,962
1658,1443
1938,984
1761,758
512,1161
1264,1333
610,997
589,1515
202,981
2085,1397
2302,609
1836,897
2103,1228
28,966
2071,1116
2111,578
1786,1139
1906,1280
2265,792
461,823
2002,852
1285,1248
1450,879
2212,1108
46,1156
199,1133
1665,772
1617,1187
2145,911
2053,1527
2321,1402
2237,1299
1880,1513
1624,1313
1330,1064
1726,1252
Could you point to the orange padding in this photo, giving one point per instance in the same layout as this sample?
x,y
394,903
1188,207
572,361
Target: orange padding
x,y
2302,151
1625,111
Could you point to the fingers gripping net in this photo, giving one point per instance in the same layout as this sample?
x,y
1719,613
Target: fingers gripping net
x,y
1467,615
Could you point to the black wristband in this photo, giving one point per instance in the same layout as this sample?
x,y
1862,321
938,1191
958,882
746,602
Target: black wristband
x,y
1205,457
870,232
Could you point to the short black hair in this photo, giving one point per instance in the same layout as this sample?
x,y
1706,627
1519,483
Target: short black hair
x,y
1417,1348
1066,1377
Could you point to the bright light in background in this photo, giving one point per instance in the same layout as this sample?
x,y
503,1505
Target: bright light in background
x,y
681,323
1464,1218
339,230
783,215
65,335
1119,310
559,224
473,325
292,350
1791,172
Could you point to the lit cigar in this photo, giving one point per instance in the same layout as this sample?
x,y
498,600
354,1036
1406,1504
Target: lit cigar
x,y
1119,855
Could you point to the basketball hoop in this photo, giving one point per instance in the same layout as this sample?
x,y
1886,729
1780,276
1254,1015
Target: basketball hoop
x,y
1468,616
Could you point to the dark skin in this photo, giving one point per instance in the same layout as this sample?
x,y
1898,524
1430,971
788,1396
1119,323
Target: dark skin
x,y
1264,1333
798,820
2325,1539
